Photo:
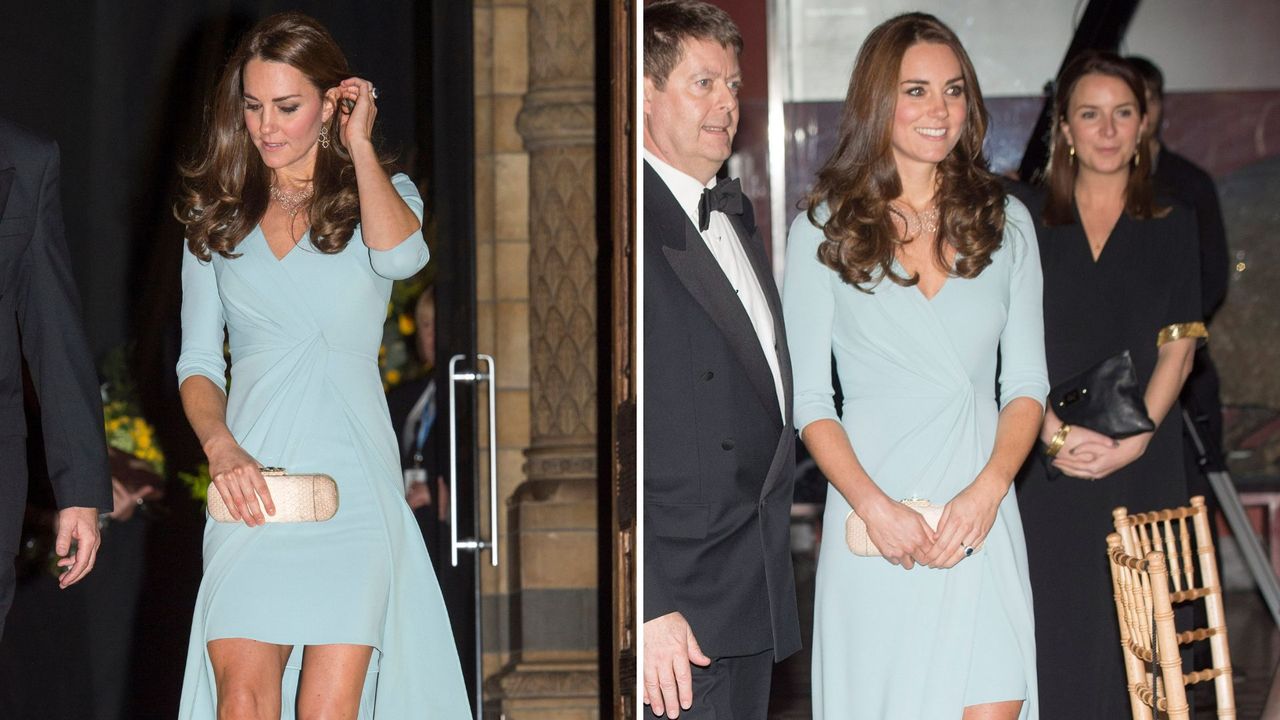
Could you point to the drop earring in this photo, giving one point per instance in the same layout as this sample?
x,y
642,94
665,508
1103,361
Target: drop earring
x,y
324,136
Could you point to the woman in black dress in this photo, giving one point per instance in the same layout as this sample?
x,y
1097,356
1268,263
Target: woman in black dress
x,y
1121,272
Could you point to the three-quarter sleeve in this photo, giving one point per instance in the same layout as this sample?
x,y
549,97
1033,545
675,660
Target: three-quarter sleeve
x,y
203,322
411,254
1182,316
808,310
1023,371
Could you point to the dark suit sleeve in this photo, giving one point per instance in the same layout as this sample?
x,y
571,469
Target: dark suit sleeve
x,y
658,600
57,353
657,595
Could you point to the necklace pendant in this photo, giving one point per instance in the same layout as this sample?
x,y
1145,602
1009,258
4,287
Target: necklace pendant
x,y
291,201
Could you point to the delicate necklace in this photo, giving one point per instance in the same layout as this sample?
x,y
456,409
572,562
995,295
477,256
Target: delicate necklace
x,y
917,221
292,201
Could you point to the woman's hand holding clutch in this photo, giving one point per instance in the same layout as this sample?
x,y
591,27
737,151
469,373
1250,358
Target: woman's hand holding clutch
x,y
238,478
901,534
1094,460
965,522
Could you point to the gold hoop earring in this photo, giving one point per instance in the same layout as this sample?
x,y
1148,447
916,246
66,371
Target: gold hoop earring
x,y
1071,151
324,136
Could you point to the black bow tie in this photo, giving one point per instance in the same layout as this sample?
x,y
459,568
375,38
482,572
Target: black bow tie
x,y
725,197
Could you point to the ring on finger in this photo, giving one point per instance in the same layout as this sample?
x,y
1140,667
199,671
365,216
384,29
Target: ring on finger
x,y
373,92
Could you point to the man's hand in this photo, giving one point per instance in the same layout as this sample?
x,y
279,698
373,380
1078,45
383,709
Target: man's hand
x,y
81,525
418,495
669,647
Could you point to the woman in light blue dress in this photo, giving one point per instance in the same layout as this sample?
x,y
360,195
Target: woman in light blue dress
x,y
294,235
917,272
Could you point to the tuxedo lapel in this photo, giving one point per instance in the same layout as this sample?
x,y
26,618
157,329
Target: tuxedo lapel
x,y
697,269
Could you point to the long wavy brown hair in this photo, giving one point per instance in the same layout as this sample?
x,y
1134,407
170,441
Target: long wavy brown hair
x,y
860,178
226,184
1060,175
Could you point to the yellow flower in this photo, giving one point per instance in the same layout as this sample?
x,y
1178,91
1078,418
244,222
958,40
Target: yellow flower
x,y
406,324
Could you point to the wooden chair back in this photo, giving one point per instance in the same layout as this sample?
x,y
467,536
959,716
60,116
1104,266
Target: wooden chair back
x,y
1183,538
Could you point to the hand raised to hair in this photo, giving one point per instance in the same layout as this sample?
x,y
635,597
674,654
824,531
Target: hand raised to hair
x,y
356,111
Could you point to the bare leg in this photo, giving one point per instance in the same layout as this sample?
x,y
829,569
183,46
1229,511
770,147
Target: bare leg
x,y
332,680
994,711
248,675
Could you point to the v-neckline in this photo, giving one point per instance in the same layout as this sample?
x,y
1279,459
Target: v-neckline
x,y
306,237
1088,245
930,299
916,288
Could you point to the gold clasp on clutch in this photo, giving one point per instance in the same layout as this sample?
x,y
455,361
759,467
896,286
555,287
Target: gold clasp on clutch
x,y
271,470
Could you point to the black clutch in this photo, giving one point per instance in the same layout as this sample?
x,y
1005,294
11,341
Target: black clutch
x,y
1105,398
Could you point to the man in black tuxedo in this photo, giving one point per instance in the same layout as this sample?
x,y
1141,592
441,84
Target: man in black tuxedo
x,y
40,313
719,594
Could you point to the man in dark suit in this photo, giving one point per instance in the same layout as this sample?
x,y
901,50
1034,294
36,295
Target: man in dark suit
x,y
40,313
719,594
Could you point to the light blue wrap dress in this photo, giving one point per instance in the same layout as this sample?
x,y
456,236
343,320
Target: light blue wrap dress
x,y
920,408
306,395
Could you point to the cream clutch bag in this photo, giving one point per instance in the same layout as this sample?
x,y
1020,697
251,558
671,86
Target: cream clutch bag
x,y
855,530
298,498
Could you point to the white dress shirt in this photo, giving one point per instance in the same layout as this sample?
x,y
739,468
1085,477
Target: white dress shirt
x,y
726,247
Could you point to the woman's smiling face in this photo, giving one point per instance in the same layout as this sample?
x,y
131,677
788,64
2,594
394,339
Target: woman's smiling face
x,y
931,106
1103,123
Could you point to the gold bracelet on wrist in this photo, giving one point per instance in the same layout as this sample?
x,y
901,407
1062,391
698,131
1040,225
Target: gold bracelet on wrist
x,y
1058,440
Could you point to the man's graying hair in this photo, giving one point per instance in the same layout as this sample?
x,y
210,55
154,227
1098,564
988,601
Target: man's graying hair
x,y
668,23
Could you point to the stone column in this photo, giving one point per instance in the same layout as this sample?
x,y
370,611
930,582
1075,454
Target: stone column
x,y
554,672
